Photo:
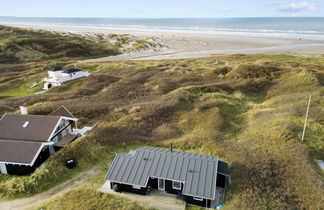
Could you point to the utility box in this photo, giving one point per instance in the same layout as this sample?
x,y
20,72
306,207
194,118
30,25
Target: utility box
x,y
70,163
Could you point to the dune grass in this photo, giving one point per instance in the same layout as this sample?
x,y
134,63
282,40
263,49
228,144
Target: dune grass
x,y
20,45
86,198
247,109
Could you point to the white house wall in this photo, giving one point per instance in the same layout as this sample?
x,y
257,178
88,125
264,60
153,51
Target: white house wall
x,y
3,168
71,76
54,73
64,77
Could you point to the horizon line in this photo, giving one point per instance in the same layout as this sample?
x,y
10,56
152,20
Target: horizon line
x,y
164,17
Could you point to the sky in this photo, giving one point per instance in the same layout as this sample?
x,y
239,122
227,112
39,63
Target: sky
x,y
162,8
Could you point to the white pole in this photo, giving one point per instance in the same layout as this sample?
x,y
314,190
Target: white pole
x,y
309,101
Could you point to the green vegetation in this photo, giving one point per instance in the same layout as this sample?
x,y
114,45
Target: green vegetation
x,y
20,45
127,43
86,198
247,109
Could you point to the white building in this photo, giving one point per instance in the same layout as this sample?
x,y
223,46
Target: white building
x,y
59,75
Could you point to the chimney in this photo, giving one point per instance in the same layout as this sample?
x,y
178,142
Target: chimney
x,y
23,110
171,147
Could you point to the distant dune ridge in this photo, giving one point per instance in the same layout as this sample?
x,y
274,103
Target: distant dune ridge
x,y
19,45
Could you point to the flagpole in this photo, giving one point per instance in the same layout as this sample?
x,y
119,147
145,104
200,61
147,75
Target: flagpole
x,y
309,101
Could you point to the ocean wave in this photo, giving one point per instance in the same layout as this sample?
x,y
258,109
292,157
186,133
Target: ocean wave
x,y
262,32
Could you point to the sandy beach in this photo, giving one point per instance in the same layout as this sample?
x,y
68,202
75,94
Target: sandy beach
x,y
192,45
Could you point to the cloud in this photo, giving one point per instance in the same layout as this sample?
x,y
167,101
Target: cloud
x,y
297,7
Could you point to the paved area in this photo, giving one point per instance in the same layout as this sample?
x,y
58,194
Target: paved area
x,y
156,199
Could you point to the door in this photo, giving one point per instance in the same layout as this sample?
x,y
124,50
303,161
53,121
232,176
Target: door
x,y
161,184
3,168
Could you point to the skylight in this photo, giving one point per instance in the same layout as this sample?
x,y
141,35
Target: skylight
x,y
25,124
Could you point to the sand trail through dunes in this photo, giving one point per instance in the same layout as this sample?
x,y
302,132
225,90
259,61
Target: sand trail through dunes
x,y
39,199
172,54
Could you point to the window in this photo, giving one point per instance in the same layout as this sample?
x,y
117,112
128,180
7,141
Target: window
x,y
221,181
55,139
69,130
198,199
136,187
176,185
161,184
25,124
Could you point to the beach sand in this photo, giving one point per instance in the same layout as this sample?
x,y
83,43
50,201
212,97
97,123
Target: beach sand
x,y
192,45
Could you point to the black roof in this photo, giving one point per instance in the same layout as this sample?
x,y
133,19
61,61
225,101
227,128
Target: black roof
x,y
58,68
71,70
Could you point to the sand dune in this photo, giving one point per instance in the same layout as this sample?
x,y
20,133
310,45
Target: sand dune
x,y
186,45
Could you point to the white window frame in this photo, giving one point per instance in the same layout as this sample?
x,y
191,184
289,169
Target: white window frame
x,y
198,198
163,181
136,187
3,168
174,187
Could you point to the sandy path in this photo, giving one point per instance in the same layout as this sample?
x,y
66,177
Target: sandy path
x,y
39,199
171,54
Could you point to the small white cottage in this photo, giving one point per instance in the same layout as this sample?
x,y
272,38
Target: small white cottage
x,y
59,75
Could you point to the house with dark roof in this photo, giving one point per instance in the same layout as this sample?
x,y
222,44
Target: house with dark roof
x,y
196,179
58,75
26,141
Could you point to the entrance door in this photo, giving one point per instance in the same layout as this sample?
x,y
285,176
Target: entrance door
x,y
161,184
3,169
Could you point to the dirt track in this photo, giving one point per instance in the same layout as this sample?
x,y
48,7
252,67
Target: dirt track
x,y
39,199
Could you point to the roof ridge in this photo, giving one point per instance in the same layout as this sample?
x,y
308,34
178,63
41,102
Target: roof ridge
x,y
34,115
195,158
23,140
212,156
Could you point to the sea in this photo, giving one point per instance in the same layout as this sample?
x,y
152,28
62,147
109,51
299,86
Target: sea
x,y
311,28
